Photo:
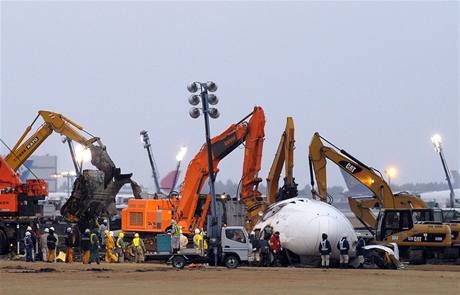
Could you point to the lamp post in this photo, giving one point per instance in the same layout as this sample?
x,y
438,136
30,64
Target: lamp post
x,y
391,173
436,139
179,157
207,99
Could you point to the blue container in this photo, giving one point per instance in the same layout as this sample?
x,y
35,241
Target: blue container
x,y
163,243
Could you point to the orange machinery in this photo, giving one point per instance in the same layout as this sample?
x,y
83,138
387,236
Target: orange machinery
x,y
19,201
190,208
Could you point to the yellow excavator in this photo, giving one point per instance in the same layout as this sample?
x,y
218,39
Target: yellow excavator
x,y
52,122
284,156
402,218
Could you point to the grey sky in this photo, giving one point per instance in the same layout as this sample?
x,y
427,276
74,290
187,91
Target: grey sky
x,y
377,79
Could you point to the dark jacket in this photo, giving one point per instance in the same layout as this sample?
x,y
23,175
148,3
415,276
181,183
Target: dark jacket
x,y
28,242
94,240
51,241
85,243
360,247
69,242
343,246
325,247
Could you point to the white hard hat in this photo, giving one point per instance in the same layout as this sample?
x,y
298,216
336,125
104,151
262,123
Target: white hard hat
x,y
69,229
29,228
52,228
47,230
197,231
111,233
27,233
87,231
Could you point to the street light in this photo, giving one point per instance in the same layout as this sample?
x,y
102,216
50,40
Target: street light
x,y
179,157
436,139
206,99
391,173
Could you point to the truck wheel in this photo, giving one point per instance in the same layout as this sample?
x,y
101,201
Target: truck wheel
x,y
178,262
3,243
231,261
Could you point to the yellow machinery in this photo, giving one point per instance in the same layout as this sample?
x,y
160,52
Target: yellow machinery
x,y
284,156
52,122
403,218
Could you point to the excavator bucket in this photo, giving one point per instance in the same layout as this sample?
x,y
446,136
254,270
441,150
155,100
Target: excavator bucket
x,y
94,191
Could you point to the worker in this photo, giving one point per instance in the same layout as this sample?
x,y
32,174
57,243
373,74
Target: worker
x,y
86,246
138,248
121,247
343,247
29,245
43,244
69,243
102,230
109,248
175,236
360,251
264,249
94,240
51,243
325,249
197,238
275,246
34,239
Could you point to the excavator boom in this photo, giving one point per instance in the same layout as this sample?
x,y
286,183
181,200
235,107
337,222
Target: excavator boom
x,y
382,197
52,122
284,156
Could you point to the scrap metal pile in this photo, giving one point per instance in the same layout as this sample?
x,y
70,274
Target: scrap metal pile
x,y
94,191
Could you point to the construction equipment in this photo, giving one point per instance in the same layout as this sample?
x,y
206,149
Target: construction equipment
x,y
284,156
190,208
19,201
403,218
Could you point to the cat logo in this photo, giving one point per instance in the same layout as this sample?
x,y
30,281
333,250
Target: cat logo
x,y
350,167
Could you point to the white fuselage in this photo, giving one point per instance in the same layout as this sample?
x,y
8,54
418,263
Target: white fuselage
x,y
302,221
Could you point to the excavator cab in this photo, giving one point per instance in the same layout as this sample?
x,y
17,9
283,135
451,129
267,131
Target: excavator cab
x,y
412,227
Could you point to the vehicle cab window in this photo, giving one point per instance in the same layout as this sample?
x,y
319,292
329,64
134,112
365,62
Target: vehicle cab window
x,y
235,235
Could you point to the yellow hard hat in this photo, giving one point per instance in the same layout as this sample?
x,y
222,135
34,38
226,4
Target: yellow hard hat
x,y
136,235
121,234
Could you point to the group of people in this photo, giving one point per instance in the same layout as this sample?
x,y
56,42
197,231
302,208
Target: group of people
x,y
92,242
343,246
269,247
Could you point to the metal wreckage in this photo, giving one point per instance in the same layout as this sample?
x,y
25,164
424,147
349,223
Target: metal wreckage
x,y
94,191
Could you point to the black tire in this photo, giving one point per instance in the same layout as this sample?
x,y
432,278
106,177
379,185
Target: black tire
x,y
232,261
178,262
3,243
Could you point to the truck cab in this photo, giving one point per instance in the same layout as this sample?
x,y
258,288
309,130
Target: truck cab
x,y
235,248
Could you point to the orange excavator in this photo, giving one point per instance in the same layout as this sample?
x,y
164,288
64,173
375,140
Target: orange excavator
x,y
190,208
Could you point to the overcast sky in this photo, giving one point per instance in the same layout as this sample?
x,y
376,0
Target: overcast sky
x,y
377,79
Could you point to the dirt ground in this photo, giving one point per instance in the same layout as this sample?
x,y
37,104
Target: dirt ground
x,y
44,278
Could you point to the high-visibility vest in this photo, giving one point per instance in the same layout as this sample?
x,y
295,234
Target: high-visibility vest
x,y
93,238
136,242
324,245
119,240
342,247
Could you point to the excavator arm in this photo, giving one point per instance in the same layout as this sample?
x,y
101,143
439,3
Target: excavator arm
x,y
284,156
382,197
197,171
52,122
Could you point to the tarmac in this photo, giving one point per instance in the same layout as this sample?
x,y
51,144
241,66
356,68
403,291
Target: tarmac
x,y
17,277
